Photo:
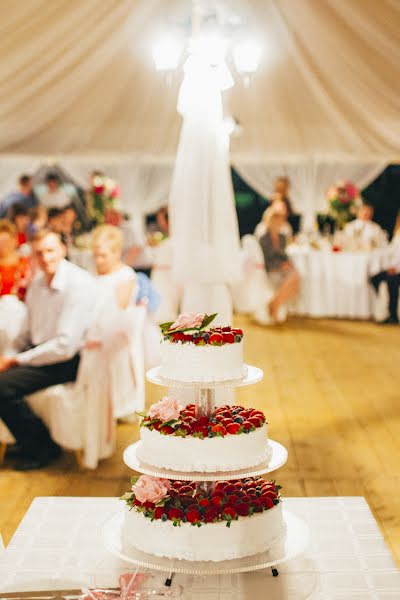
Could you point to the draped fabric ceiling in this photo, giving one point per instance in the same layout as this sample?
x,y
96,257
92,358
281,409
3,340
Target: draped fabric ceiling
x,y
77,79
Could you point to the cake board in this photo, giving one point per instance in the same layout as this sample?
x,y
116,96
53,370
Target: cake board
x,y
277,458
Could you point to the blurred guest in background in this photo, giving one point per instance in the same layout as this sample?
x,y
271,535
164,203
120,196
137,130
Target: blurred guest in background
x,y
365,230
60,304
37,220
282,189
24,195
19,215
280,207
392,279
281,272
14,269
55,197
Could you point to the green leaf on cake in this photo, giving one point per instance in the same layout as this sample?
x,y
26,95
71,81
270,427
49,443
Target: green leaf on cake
x,y
165,326
207,320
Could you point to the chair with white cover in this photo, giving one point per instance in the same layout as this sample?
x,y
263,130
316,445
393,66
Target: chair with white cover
x,y
162,280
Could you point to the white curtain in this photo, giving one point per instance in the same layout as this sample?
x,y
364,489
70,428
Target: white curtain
x,y
204,229
309,179
77,77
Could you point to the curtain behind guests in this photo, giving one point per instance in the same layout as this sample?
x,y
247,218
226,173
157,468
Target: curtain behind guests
x,y
309,179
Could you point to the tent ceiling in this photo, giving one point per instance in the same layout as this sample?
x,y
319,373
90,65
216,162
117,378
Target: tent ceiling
x,y
77,77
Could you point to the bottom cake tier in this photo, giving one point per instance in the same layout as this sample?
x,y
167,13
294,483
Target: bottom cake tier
x,y
234,520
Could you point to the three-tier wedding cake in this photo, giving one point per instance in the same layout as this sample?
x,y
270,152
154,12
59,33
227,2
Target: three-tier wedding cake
x,y
202,520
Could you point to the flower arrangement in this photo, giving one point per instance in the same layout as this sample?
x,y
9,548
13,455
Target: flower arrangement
x,y
191,327
179,502
103,199
342,199
168,417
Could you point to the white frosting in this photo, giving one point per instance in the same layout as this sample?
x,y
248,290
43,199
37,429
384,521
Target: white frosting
x,y
210,454
188,362
211,541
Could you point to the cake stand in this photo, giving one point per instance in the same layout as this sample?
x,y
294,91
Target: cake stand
x,y
294,535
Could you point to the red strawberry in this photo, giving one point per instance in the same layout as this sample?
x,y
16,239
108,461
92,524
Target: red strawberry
x,y
149,505
193,516
203,421
247,426
226,422
269,494
219,487
233,428
242,509
217,500
216,339
185,490
210,515
219,429
230,488
167,429
266,501
229,328
178,337
229,511
256,504
175,513
232,499
228,337
204,502
159,512
256,421
237,331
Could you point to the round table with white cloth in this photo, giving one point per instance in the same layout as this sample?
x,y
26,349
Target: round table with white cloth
x,y
335,284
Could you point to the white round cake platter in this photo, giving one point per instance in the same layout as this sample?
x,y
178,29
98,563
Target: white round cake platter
x,y
253,375
276,457
292,542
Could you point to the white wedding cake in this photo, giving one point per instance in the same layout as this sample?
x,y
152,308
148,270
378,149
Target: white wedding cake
x,y
194,527
173,438
202,520
192,352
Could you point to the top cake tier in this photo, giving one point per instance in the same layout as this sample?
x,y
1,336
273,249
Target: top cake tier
x,y
193,352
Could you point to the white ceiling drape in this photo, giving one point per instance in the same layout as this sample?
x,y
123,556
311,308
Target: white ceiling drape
x,y
78,85
78,77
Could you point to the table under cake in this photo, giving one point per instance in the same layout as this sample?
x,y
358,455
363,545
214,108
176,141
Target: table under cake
x,y
58,545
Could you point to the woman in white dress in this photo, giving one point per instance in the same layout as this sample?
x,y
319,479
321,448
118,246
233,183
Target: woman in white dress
x,y
111,372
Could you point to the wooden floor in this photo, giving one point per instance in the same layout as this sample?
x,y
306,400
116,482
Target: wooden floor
x,y
331,393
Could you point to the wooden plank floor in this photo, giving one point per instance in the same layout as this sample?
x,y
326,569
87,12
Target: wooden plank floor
x,y
331,394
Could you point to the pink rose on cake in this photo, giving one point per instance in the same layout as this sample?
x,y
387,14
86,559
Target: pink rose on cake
x,y
150,489
166,409
188,321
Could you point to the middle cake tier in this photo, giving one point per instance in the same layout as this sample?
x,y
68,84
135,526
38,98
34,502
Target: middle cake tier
x,y
233,437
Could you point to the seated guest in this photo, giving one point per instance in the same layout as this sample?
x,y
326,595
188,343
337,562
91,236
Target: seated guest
x,y
14,269
55,197
117,328
365,230
282,187
281,271
24,195
37,219
19,215
392,279
277,206
60,302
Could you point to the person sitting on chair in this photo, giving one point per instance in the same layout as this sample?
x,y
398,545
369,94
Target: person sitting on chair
x,y
277,206
59,302
365,229
392,278
280,269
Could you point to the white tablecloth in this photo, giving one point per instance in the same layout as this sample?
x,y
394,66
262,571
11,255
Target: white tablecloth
x,y
58,546
335,284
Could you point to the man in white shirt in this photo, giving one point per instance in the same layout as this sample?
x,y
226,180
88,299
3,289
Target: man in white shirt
x,y
392,278
55,196
365,230
59,302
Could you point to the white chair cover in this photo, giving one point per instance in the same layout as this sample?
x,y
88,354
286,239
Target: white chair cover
x,y
250,293
12,319
161,276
